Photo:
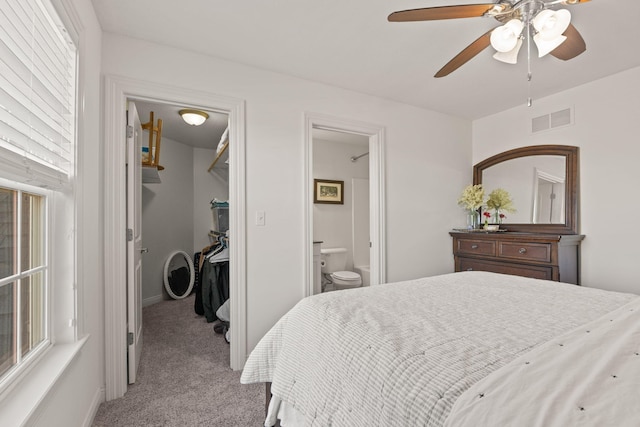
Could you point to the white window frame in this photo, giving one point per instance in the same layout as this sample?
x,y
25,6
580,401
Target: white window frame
x,y
23,390
24,362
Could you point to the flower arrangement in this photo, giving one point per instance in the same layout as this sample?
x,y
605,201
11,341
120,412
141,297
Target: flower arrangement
x,y
472,197
500,200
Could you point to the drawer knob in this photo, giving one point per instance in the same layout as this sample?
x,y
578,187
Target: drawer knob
x,y
469,269
474,246
522,250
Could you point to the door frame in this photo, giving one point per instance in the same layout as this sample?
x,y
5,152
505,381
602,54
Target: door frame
x,y
376,191
117,90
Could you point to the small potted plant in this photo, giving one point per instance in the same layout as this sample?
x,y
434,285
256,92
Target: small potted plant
x,y
486,215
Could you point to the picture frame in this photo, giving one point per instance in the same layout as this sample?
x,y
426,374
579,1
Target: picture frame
x,y
328,191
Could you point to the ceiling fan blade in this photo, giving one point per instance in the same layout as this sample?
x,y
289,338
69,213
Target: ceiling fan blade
x,y
480,44
441,12
572,47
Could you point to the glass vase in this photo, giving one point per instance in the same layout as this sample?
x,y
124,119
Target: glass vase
x,y
473,219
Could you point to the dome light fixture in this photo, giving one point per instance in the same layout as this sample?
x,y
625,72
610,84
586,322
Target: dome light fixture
x,y
193,117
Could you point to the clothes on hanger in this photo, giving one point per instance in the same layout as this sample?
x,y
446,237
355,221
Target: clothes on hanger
x,y
219,255
215,287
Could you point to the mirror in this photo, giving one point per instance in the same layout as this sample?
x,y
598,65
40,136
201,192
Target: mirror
x,y
543,183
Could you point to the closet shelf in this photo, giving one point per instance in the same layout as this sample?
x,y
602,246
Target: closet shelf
x,y
150,175
224,148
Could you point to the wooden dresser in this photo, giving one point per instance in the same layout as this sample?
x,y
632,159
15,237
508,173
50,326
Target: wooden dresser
x,y
541,256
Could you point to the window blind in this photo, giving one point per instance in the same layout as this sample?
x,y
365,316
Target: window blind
x,y
37,95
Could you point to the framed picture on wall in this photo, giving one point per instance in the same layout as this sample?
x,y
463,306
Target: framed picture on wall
x,y
328,191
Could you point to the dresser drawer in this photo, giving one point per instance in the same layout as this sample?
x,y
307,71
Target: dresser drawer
x,y
538,252
469,264
476,247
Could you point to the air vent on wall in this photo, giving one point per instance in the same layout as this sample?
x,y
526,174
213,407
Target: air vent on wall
x,y
552,120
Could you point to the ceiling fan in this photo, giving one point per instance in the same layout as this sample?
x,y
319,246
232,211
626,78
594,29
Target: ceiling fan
x,y
550,29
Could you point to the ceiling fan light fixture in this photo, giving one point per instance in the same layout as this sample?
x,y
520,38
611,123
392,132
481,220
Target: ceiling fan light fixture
x,y
510,57
550,24
193,117
505,38
547,46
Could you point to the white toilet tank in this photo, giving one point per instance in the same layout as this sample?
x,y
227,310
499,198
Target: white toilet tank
x,y
333,259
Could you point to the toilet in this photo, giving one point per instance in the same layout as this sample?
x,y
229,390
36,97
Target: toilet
x,y
333,263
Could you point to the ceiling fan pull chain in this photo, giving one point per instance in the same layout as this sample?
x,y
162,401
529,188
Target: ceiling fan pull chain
x,y
529,101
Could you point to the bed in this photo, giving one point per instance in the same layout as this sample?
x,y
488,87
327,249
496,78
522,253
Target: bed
x,y
462,349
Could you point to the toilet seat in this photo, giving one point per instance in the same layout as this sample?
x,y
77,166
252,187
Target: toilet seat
x,y
345,275
346,280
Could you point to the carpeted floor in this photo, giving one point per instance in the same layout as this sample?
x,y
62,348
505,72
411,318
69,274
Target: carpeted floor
x,y
184,377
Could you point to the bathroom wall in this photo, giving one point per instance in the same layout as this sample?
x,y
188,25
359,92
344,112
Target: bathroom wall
x,y
360,220
332,224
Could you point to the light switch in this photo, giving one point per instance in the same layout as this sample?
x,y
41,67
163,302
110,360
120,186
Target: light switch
x,y
260,218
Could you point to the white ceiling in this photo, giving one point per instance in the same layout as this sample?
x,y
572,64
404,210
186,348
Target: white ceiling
x,y
351,44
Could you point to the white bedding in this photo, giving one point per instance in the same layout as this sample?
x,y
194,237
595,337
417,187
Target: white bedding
x,y
401,354
595,380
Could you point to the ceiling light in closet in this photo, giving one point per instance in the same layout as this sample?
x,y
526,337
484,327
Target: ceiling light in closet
x,y
193,117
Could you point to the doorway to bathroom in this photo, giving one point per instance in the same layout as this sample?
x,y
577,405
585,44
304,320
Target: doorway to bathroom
x,y
345,204
341,227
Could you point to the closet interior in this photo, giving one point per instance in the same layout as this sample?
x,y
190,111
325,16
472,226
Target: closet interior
x,y
185,208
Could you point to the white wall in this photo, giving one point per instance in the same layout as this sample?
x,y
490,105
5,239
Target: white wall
x,y
167,217
332,224
428,158
206,186
605,129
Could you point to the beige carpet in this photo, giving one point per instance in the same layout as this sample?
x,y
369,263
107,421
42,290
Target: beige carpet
x,y
184,377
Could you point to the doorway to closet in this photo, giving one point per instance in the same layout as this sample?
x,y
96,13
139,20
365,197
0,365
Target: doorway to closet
x,y
185,174
118,90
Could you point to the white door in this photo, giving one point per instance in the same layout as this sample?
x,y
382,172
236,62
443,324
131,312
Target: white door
x,y
134,241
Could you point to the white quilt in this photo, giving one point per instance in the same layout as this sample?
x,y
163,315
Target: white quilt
x,y
401,354
589,377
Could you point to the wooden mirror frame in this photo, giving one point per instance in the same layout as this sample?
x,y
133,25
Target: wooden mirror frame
x,y
571,185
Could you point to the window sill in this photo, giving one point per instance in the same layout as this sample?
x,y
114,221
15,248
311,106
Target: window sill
x,y
23,399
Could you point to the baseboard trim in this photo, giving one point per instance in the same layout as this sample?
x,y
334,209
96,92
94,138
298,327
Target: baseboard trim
x,y
153,300
98,398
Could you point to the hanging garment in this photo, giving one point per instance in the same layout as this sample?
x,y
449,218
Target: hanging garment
x,y
197,287
215,287
199,262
